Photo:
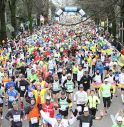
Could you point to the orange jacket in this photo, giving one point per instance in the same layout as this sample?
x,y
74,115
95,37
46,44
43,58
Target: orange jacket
x,y
35,111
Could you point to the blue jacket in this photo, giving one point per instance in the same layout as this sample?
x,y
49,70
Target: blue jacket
x,y
99,67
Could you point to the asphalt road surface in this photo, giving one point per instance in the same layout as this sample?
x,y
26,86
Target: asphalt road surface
x,y
105,122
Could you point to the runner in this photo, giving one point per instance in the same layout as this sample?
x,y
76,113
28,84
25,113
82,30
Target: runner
x,y
1,100
23,85
105,88
15,116
32,113
58,121
93,102
48,108
86,81
86,120
81,98
121,82
118,122
64,104
56,87
69,86
12,95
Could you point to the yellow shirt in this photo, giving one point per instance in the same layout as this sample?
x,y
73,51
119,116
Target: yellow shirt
x,y
89,60
42,83
1,58
41,93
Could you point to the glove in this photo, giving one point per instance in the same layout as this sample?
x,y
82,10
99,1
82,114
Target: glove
x,y
39,106
75,112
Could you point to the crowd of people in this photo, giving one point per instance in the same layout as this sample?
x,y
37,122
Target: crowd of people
x,y
59,75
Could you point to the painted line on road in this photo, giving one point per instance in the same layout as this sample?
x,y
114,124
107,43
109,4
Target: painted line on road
x,y
113,119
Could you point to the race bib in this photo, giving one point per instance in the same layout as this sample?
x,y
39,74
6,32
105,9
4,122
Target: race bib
x,y
16,118
34,120
63,107
85,124
11,98
30,94
70,88
56,87
22,88
107,92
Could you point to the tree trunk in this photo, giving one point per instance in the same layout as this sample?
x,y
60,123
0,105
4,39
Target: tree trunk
x,y
12,6
3,35
30,22
29,5
38,19
114,26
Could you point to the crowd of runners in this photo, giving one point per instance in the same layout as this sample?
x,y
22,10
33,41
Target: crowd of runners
x,y
59,75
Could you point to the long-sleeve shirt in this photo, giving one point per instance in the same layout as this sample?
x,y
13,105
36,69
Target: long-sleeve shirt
x,y
81,97
16,116
93,101
53,122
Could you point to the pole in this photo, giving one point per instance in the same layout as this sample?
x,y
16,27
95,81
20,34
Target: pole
x,y
122,33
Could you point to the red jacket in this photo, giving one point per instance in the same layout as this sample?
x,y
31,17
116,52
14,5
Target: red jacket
x,y
49,109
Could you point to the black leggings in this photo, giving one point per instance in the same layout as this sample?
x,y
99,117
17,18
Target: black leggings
x,y
82,106
93,111
106,102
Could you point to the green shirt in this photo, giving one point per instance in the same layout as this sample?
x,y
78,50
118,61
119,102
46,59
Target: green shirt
x,y
93,101
69,86
33,77
105,89
115,125
63,104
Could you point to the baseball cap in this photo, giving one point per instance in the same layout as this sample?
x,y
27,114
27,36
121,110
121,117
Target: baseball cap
x,y
81,86
48,97
79,109
69,75
119,119
58,116
86,109
11,85
106,80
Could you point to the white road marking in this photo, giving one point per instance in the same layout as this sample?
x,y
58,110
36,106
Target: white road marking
x,y
113,119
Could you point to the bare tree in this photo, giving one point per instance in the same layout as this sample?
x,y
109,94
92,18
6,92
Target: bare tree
x,y
29,7
12,6
42,8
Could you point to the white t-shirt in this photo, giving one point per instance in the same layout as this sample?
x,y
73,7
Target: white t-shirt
x,y
97,78
121,78
80,75
81,97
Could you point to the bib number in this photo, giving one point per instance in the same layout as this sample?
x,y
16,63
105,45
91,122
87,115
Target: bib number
x,y
85,124
22,88
30,94
34,120
16,118
107,92
11,98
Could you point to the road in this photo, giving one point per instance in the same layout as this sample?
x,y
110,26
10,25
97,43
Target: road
x,y
105,122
